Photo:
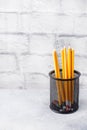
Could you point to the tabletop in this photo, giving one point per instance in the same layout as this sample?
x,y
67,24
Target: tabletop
x,y
28,109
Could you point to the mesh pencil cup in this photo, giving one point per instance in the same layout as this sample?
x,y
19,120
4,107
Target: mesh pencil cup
x,y
64,93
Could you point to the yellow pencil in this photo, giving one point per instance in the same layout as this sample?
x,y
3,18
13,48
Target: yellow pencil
x,y
73,75
66,75
62,58
69,72
63,69
56,68
57,74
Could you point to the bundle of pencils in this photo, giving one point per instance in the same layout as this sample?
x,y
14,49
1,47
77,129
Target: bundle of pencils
x,y
65,89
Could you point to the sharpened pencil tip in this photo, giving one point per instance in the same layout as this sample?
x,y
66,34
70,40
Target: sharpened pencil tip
x,y
54,51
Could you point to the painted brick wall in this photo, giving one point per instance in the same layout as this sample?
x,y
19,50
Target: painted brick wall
x,y
30,30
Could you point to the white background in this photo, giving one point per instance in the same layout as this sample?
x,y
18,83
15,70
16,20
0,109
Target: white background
x,y
30,30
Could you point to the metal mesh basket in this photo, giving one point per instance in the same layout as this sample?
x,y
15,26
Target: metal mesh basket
x,y
64,93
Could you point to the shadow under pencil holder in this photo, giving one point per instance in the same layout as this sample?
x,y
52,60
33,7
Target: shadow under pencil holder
x,y
64,93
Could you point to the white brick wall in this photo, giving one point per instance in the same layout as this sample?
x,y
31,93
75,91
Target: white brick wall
x,y
30,29
74,6
46,6
10,5
36,63
14,43
8,22
81,25
42,44
7,63
47,23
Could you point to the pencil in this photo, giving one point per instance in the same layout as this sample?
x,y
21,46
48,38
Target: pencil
x,y
57,75
63,70
69,72
72,76
62,58
56,68
66,75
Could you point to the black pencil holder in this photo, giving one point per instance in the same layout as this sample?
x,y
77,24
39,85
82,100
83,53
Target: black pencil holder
x,y
64,93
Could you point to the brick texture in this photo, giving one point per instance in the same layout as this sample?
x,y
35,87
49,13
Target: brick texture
x,y
36,64
74,6
13,43
7,63
42,44
47,23
46,6
30,30
80,25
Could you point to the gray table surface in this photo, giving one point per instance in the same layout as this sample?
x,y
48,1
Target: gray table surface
x,y
29,110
